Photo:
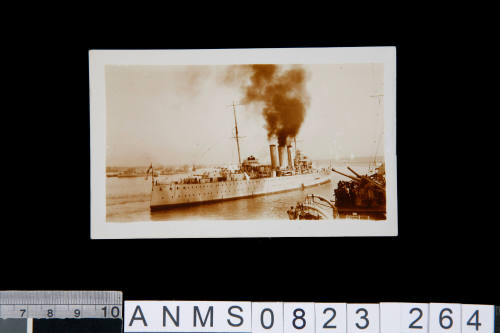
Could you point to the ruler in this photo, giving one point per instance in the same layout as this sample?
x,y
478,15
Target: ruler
x,y
61,304
60,311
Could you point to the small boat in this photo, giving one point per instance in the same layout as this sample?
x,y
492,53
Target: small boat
x,y
314,207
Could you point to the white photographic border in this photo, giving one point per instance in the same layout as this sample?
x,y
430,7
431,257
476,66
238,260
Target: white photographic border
x,y
100,229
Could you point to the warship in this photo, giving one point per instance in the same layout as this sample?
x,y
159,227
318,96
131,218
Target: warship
x,y
289,170
362,197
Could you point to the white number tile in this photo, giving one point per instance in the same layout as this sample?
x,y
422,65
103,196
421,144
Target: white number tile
x,y
363,318
298,317
414,317
390,317
331,317
267,317
444,317
478,318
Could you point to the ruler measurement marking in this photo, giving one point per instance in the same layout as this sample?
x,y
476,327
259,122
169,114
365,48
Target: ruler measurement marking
x,y
61,304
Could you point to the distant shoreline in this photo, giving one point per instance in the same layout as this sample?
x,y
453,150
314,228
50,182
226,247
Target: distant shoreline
x,y
357,160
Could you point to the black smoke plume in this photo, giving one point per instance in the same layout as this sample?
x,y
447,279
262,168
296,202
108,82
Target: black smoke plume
x,y
281,93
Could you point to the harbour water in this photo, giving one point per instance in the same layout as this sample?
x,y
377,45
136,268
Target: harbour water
x,y
127,200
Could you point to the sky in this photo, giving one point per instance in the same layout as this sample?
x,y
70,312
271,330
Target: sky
x,y
174,115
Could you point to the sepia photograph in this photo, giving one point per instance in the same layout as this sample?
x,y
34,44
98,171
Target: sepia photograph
x,y
243,143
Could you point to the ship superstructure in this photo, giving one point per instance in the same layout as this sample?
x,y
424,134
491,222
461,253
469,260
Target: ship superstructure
x,y
287,171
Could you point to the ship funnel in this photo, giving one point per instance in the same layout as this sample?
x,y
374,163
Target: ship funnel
x,y
282,157
290,157
274,162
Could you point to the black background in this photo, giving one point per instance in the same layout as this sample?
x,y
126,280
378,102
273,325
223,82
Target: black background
x,y
446,250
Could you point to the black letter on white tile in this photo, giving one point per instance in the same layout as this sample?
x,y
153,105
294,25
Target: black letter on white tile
x,y
140,317
235,315
210,313
175,320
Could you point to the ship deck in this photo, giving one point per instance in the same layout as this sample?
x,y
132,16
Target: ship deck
x,y
196,203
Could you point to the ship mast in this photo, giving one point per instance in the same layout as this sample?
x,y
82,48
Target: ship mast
x,y
237,136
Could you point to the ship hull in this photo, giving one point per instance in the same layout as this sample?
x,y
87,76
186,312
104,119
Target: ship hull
x,y
165,196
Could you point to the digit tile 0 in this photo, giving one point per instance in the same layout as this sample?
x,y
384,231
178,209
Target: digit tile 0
x,y
267,317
